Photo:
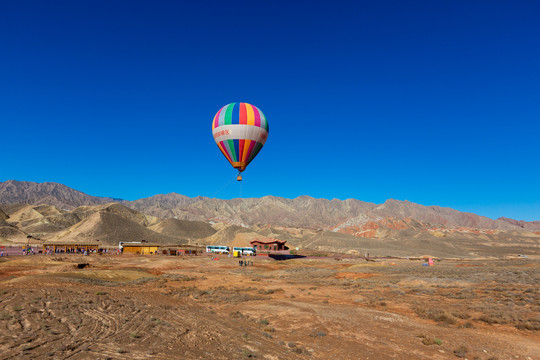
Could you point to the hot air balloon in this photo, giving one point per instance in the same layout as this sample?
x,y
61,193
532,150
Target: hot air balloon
x,y
240,131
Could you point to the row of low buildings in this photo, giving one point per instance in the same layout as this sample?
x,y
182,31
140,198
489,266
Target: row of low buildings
x,y
139,247
144,248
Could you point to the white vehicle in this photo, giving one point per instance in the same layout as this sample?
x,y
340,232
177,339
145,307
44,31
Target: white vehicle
x,y
245,250
121,244
217,249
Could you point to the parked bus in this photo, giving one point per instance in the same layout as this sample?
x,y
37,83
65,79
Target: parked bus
x,y
217,249
249,251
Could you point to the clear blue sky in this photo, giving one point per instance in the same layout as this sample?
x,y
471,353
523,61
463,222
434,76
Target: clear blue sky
x,y
434,102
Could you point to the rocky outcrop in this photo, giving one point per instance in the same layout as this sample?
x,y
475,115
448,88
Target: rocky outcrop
x,y
184,228
49,193
3,215
528,225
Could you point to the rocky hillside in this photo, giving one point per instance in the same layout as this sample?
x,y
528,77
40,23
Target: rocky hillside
x,y
344,226
527,225
3,215
184,228
112,223
348,216
107,224
61,196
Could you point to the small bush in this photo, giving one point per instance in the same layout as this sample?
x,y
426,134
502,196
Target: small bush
x,y
461,315
315,333
4,316
491,319
248,354
202,293
427,340
237,315
461,351
264,322
528,325
269,291
440,316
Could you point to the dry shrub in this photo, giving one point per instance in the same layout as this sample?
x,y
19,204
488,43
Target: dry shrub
x,y
529,325
428,340
461,351
461,315
270,291
498,317
316,334
464,294
467,325
489,319
248,354
237,315
431,341
439,316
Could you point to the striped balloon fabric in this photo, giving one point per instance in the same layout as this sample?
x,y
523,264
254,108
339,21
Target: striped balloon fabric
x,y
240,131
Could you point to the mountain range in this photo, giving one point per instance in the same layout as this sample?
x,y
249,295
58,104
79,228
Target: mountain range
x,y
53,211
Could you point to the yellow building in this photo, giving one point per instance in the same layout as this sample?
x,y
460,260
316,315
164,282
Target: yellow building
x,y
142,248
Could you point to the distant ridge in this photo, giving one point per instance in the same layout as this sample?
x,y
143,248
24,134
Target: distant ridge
x,y
349,216
308,212
529,225
37,213
50,193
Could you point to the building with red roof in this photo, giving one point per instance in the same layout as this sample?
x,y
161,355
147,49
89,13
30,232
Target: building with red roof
x,y
268,244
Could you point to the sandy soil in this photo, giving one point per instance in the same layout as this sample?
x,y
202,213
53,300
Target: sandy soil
x,y
135,307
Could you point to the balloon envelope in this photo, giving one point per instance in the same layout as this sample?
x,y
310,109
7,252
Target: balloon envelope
x,y
240,131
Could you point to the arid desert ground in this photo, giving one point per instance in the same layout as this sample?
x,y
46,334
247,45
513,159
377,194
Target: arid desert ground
x,y
162,307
